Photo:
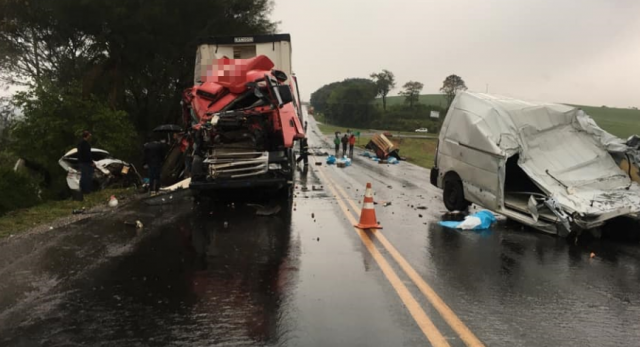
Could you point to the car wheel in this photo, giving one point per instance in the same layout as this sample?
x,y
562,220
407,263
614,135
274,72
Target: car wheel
x,y
453,193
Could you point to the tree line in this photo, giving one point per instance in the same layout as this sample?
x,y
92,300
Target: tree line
x,y
114,67
352,102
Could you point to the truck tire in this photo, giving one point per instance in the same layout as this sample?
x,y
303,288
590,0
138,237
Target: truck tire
x,y
197,168
172,167
453,193
286,192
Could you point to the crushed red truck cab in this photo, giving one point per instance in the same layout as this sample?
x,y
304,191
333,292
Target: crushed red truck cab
x,y
243,119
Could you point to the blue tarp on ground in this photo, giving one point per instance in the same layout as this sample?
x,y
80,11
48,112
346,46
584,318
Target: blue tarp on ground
x,y
331,159
345,160
477,221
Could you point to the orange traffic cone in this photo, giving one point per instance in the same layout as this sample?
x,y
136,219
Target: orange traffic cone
x,y
368,215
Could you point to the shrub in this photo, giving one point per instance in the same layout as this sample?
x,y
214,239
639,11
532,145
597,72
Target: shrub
x,y
17,190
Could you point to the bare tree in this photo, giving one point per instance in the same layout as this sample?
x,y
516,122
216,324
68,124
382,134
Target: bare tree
x,y
451,86
385,82
411,92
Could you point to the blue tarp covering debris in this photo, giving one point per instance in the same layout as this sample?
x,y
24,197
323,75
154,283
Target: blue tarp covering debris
x,y
345,160
477,221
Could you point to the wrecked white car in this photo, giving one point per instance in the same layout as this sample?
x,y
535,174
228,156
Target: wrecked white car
x,y
108,171
545,165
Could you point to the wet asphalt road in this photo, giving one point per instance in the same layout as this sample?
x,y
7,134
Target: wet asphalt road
x,y
190,279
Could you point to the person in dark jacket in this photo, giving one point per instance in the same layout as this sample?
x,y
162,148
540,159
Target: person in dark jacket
x,y
85,161
154,154
345,142
304,152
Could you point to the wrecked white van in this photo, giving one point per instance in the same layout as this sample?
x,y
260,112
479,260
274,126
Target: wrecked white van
x,y
544,165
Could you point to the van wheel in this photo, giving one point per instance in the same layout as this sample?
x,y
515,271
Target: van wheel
x,y
453,194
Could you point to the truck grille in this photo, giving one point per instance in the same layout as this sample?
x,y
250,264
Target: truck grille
x,y
236,163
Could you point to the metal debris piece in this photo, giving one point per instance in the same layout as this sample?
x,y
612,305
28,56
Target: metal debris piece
x,y
266,210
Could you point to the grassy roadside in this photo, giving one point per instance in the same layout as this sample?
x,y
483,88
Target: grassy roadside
x,y
18,221
417,151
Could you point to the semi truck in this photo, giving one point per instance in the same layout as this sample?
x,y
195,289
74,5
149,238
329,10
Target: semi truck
x,y
242,115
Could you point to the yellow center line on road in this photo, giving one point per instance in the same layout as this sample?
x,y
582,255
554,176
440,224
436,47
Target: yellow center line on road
x,y
426,325
447,313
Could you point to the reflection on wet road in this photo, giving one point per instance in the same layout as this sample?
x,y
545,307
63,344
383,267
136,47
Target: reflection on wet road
x,y
216,273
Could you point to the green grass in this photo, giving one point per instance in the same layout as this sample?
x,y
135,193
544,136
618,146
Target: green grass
x,y
18,221
622,122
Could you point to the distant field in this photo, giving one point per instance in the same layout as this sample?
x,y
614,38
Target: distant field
x,y
622,122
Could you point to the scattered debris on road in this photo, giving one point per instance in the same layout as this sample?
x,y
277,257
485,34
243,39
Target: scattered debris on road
x,y
184,184
137,224
113,202
382,147
266,210
480,220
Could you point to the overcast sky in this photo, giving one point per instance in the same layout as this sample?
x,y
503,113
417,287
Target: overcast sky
x,y
574,51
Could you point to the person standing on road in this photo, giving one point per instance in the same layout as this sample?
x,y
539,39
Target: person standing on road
x,y
352,142
154,154
85,162
336,141
345,142
304,152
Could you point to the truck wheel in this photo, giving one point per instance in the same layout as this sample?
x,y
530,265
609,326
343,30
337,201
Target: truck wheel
x,y
197,168
453,193
291,160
